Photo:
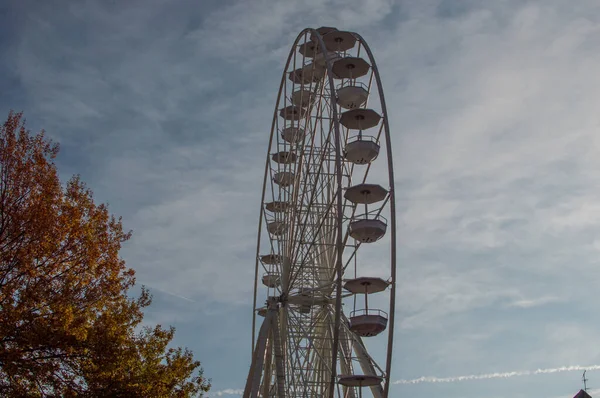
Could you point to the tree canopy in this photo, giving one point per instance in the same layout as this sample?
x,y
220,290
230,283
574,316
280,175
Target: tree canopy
x,y
67,325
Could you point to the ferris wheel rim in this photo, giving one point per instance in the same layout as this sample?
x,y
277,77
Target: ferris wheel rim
x,y
264,187
338,166
392,201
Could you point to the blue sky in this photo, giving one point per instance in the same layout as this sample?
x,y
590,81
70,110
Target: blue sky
x,y
164,108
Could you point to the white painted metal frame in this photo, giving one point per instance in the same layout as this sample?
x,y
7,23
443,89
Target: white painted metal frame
x,y
305,333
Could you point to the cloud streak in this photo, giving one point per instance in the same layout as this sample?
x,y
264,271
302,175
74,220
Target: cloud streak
x,y
504,375
169,293
228,391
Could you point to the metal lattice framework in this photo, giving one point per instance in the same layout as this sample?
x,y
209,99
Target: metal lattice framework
x,y
324,221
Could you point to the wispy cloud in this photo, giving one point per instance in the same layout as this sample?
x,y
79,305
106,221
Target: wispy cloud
x,y
169,293
534,302
503,375
228,391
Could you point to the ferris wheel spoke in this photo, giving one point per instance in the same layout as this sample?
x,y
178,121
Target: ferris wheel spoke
x,y
292,196
296,353
315,150
307,223
323,210
313,336
297,234
313,244
313,198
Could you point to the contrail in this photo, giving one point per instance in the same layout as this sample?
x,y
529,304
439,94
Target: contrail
x,y
170,293
228,391
432,379
505,375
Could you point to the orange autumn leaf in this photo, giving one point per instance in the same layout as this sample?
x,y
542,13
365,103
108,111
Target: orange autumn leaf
x,y
67,325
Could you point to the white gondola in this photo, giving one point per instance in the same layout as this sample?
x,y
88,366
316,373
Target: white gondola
x,y
277,206
368,322
365,194
310,73
359,380
275,259
350,68
339,40
302,97
284,178
277,228
272,259
352,95
367,230
271,280
309,49
284,157
360,119
293,135
361,150
323,30
292,112
366,285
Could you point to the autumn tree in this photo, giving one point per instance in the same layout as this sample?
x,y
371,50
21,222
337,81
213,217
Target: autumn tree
x,y
67,326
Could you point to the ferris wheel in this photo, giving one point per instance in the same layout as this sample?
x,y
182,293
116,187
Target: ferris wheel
x,y
324,285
